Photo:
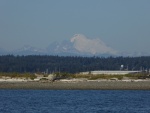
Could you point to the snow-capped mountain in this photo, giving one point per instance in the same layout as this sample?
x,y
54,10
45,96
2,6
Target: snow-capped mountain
x,y
64,48
79,45
91,46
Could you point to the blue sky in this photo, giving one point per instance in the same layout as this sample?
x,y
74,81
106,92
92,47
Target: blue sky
x,y
123,25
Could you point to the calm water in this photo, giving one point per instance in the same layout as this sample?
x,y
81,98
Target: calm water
x,y
74,101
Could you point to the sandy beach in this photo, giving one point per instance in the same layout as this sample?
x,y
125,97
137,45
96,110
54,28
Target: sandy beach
x,y
80,85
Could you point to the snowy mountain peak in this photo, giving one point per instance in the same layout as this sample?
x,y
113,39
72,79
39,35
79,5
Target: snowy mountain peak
x,y
91,46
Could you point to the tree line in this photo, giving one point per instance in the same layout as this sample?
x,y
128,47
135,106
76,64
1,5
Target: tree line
x,y
70,64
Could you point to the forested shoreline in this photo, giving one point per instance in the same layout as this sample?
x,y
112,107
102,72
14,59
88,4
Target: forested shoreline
x,y
70,64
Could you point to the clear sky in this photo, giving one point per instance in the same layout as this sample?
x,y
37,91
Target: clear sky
x,y
122,24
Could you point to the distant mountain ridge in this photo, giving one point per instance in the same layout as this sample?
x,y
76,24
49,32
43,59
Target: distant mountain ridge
x,y
79,45
28,50
64,48
61,47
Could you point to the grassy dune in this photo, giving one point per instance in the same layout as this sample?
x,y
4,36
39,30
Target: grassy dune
x,y
105,76
18,75
59,76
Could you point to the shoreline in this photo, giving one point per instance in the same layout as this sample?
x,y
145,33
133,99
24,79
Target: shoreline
x,y
76,85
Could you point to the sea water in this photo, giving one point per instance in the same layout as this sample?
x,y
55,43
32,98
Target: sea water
x,y
74,101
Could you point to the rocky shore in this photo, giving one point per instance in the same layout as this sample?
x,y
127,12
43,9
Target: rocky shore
x,y
77,85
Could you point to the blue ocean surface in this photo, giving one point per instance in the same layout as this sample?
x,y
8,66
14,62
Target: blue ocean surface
x,y
74,101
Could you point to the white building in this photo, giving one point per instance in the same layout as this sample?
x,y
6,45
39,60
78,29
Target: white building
x,y
110,72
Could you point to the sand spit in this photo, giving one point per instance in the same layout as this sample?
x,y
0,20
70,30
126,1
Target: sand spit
x,y
78,85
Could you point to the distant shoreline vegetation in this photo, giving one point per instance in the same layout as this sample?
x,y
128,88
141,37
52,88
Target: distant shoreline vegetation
x,y
69,76
18,75
70,64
